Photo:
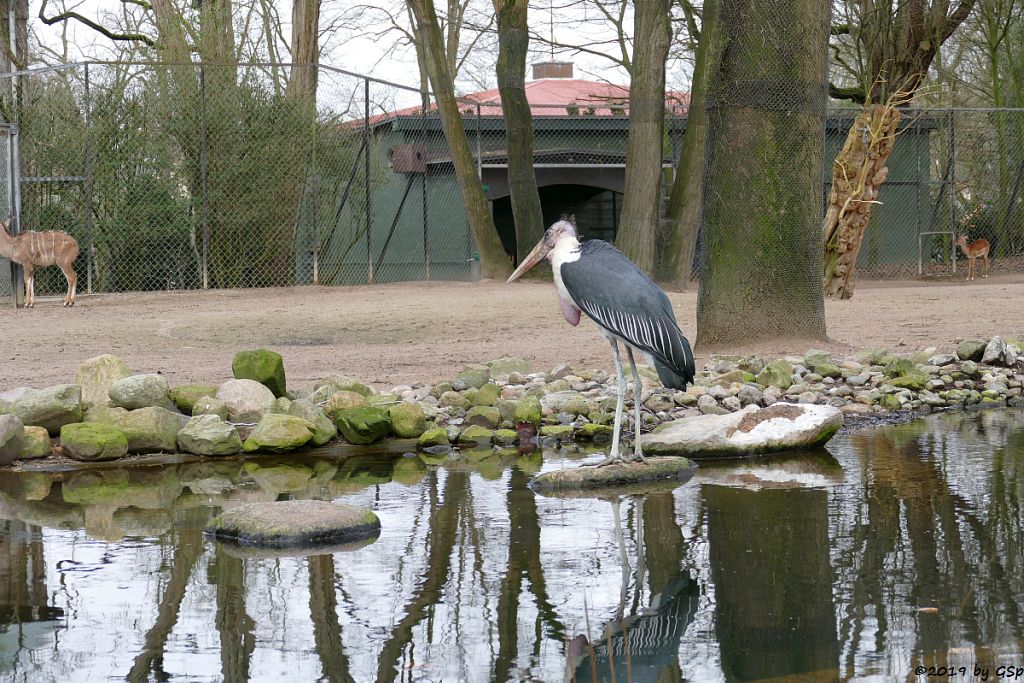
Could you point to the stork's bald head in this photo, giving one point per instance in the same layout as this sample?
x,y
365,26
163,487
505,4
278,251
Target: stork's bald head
x,y
560,230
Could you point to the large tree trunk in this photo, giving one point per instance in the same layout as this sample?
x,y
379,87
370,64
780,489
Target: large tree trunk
x,y
305,51
683,210
763,162
641,203
857,174
513,42
493,262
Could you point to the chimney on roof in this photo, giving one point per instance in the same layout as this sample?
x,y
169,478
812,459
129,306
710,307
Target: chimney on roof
x,y
552,70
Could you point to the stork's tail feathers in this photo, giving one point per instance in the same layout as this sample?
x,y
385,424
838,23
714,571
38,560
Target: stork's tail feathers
x,y
677,375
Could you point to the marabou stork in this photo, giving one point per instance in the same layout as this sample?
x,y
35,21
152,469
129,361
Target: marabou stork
x,y
596,278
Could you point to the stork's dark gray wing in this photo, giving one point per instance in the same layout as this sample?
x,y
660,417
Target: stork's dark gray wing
x,y
620,298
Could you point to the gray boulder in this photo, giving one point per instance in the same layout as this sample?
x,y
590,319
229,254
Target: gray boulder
x,y
208,405
35,443
971,349
209,435
150,429
565,402
96,375
52,407
753,430
141,391
12,432
998,352
325,388
324,429
245,399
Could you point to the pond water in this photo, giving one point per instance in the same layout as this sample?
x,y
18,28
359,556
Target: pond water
x,y
898,547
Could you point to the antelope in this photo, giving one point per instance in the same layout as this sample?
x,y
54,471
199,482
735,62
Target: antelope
x,y
973,250
31,249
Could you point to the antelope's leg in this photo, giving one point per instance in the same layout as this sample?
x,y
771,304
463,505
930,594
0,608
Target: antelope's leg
x,y
72,278
986,265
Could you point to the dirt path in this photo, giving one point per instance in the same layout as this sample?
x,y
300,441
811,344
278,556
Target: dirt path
x,y
408,332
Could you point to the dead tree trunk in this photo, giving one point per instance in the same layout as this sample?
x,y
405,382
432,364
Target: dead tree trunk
x,y
857,175
641,203
493,262
513,43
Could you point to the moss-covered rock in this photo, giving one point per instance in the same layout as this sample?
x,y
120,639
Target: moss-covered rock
x,y
913,380
487,395
475,434
828,370
35,443
483,416
209,435
106,414
294,523
150,429
453,399
184,396
778,373
971,349
323,428
263,366
595,432
408,420
528,410
323,389
344,400
505,437
363,425
506,365
570,402
408,470
95,376
208,405
281,405
475,376
275,479
434,436
899,367
93,441
279,433
441,387
617,477
51,408
560,432
889,402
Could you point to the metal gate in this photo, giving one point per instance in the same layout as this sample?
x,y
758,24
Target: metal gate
x,y
10,205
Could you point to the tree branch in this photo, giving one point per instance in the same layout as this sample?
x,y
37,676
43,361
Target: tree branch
x,y
851,93
99,28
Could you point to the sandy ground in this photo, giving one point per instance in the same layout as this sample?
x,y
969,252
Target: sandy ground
x,y
407,332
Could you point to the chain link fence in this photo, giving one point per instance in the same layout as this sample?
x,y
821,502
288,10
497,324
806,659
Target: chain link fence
x,y
185,176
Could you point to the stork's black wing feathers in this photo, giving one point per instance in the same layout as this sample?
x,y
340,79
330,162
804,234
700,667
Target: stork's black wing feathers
x,y
620,298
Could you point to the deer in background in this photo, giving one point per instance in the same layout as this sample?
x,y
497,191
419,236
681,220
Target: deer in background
x,y
31,249
973,250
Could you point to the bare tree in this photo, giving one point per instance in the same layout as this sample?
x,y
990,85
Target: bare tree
x,y
884,48
513,43
641,204
493,262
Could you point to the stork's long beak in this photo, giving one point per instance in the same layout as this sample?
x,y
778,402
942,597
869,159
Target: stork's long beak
x,y
534,257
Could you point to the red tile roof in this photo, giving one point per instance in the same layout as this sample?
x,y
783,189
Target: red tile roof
x,y
555,97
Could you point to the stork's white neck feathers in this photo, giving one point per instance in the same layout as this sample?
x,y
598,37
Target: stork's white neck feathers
x,y
566,250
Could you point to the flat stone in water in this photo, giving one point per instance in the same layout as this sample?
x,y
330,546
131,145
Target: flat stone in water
x,y
616,478
294,524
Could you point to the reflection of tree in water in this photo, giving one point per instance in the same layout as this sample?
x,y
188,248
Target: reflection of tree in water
x,y
769,555
920,542
24,599
643,645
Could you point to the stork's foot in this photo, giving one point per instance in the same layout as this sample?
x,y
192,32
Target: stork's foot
x,y
610,460
638,456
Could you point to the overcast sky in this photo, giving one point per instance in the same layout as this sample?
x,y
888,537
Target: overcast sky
x,y
569,21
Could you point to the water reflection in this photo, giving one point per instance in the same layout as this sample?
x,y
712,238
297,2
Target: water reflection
x,y
898,547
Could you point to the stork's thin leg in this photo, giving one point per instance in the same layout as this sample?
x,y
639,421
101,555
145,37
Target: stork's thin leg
x,y
613,455
638,453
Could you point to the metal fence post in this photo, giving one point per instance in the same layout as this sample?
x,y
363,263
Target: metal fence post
x,y
316,229
202,177
90,250
952,180
423,186
366,167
